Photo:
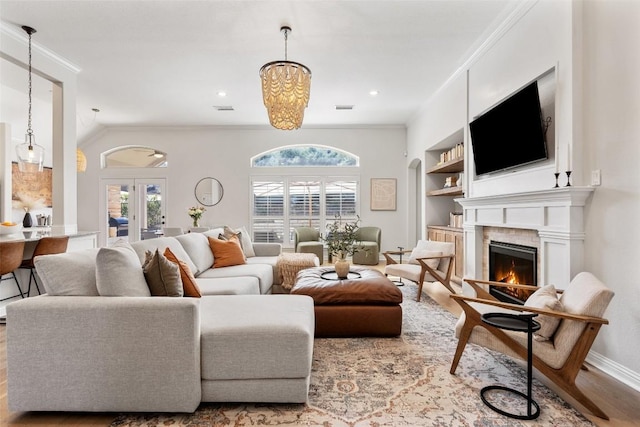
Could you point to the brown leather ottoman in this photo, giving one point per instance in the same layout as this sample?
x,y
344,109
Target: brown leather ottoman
x,y
368,305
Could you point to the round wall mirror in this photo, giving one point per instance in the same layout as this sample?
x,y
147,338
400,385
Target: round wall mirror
x,y
209,191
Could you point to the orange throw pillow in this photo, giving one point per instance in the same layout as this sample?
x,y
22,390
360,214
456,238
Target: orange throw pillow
x,y
189,284
226,252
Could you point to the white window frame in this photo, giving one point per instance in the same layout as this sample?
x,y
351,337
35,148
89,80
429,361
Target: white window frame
x,y
286,218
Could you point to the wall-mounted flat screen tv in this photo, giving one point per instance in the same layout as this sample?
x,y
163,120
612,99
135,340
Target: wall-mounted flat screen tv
x,y
510,134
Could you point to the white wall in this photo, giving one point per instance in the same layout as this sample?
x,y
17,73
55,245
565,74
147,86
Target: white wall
x,y
611,131
594,45
224,153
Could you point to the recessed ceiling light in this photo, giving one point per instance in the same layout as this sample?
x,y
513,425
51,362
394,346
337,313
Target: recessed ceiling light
x,y
374,92
223,107
222,94
344,107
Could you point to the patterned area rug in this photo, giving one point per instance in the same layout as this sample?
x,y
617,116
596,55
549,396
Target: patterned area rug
x,y
402,381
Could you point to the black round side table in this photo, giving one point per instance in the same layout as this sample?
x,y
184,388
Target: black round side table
x,y
521,323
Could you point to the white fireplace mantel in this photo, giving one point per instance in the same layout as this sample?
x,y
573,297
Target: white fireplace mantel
x,y
556,214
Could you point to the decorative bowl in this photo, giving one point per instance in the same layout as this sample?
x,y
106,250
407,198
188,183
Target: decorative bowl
x,y
10,229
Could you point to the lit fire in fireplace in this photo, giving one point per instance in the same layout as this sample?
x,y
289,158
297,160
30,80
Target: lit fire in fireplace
x,y
511,276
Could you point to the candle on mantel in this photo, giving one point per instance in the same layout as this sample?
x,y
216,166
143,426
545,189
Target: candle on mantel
x,y
568,157
557,158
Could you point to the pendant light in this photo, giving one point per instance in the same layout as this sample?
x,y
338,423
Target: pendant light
x,y
30,154
285,90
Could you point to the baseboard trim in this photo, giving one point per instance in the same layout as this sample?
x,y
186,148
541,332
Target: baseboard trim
x,y
614,370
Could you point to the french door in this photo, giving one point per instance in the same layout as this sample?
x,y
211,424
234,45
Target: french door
x,y
134,208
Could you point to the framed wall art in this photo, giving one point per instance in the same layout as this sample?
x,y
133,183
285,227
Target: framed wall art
x,y
383,194
33,190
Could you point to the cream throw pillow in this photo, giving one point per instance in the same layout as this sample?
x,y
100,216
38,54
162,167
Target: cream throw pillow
x,y
69,273
162,275
545,298
421,253
119,273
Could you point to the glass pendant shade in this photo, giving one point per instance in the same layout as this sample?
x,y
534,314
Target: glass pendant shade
x,y
286,86
30,155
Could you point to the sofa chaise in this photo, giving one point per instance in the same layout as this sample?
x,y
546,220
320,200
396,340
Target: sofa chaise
x,y
75,349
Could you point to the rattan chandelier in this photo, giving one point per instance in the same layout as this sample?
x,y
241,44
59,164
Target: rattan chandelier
x,y
285,90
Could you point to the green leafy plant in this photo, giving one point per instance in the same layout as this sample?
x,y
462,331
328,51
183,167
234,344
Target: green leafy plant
x,y
341,237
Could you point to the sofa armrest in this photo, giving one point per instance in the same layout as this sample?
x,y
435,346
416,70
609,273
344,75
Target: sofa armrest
x,y
111,354
267,249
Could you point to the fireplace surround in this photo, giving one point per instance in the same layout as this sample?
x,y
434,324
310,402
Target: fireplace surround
x,y
554,216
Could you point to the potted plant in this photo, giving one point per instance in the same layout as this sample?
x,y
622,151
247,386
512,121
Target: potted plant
x,y
341,240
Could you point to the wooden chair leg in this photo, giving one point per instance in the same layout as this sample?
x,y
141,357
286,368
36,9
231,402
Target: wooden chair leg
x,y
465,334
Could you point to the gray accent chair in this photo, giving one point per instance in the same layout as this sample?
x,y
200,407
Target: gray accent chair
x,y
306,240
369,241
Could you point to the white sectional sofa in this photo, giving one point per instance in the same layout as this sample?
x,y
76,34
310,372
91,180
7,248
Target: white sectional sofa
x,y
257,276
75,350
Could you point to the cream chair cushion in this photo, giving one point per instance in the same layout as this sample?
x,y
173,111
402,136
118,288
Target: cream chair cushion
x,y
546,298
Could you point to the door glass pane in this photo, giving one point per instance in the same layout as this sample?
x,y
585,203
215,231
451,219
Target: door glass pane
x,y
118,212
151,219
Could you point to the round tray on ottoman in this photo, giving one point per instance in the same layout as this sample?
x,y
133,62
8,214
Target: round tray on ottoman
x,y
368,305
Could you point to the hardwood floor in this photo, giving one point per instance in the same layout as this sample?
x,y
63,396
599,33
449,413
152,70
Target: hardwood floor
x,y
621,402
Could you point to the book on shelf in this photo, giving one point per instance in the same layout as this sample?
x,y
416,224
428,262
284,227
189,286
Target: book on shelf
x,y
455,219
453,153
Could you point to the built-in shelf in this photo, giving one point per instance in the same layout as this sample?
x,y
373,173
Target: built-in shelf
x,y
451,191
452,166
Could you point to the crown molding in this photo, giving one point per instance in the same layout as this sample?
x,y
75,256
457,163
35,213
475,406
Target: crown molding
x,y
20,37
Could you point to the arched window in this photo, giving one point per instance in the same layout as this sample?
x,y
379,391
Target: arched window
x,y
305,156
134,157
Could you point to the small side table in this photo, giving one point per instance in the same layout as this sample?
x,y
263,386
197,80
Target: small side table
x,y
521,323
399,282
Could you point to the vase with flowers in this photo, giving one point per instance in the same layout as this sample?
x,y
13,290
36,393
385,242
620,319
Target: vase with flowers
x,y
27,203
342,240
195,212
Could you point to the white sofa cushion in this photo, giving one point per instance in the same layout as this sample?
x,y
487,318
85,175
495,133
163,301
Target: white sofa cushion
x,y
237,333
197,247
72,274
119,272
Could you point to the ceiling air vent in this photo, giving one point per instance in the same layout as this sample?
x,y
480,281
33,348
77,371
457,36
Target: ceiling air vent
x,y
223,107
344,107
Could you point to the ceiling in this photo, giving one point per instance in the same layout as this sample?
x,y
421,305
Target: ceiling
x,y
162,63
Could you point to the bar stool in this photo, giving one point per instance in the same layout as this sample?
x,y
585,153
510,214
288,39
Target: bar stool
x,y
10,259
45,246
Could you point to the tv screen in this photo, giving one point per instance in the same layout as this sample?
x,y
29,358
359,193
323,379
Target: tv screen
x,y
510,134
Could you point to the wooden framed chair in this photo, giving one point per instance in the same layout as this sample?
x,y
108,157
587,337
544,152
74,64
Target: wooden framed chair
x,y
429,260
559,358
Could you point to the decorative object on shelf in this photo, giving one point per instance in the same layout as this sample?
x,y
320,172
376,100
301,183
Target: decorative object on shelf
x,y
27,221
383,194
557,175
341,240
568,179
81,161
195,212
286,86
30,154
